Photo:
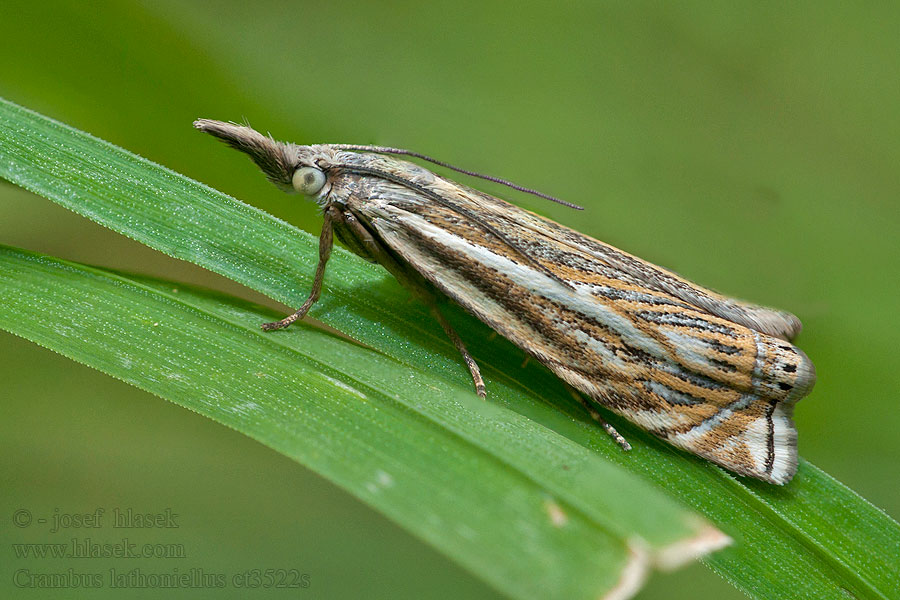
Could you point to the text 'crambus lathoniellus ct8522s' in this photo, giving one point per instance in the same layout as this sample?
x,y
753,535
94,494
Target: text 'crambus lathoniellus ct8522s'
x,y
709,374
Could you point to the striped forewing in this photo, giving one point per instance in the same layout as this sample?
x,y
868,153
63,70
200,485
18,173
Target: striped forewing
x,y
703,371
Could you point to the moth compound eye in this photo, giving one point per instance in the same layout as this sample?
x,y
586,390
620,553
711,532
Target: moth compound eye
x,y
308,180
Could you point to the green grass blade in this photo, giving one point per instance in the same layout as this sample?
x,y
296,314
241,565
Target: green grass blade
x,y
813,538
439,461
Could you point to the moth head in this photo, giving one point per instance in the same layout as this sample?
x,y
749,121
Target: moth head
x,y
279,161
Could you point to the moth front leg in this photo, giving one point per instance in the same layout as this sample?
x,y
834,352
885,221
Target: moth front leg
x,y
326,241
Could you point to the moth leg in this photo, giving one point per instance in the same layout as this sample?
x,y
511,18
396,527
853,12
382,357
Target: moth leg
x,y
377,251
457,341
609,429
326,241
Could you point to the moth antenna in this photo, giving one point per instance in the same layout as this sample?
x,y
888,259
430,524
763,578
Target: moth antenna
x,y
440,163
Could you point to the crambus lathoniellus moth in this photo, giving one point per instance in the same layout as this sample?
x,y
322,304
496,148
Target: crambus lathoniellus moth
x,y
709,374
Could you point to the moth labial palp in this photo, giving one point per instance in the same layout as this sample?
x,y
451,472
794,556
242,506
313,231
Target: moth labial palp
x,y
707,373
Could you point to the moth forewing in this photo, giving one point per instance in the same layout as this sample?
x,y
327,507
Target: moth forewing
x,y
710,374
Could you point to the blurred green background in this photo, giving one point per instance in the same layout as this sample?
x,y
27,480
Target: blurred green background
x,y
751,148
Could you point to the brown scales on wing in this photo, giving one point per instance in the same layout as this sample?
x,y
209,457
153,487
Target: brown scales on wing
x,y
727,361
704,371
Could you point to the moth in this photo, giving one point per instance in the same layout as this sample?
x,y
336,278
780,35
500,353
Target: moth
x,y
707,373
